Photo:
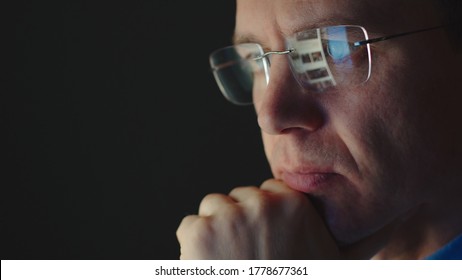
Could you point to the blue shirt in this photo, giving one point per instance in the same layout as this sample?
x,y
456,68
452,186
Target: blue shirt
x,y
450,251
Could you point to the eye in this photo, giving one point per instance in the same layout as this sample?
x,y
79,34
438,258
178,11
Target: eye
x,y
338,50
257,61
252,55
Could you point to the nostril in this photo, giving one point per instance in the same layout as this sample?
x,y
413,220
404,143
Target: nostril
x,y
283,115
269,124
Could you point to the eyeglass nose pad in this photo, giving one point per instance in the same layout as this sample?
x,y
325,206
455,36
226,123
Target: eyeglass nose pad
x,y
267,67
271,56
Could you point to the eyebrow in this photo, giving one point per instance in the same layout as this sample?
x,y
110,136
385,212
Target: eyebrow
x,y
242,39
329,21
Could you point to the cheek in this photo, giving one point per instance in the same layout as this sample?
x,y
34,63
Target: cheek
x,y
268,144
367,138
380,127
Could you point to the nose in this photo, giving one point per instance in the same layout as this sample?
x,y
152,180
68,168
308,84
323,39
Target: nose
x,y
285,105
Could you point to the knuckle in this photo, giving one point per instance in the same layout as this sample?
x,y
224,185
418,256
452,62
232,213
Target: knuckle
x,y
297,199
197,231
210,198
184,226
295,203
243,191
263,203
212,203
229,213
267,204
196,240
202,230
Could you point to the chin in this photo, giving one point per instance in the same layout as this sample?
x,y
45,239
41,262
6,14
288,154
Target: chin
x,y
350,221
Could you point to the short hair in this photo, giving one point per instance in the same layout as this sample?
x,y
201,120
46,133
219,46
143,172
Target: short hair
x,y
451,11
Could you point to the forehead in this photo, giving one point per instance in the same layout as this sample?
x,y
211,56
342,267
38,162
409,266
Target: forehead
x,y
267,17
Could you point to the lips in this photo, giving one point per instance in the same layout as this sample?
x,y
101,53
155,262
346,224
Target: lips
x,y
308,182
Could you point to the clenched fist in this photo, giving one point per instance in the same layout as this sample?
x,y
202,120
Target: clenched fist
x,y
270,222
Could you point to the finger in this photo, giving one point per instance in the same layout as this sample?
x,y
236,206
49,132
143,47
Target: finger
x,y
241,194
276,186
185,226
293,196
215,202
295,200
192,235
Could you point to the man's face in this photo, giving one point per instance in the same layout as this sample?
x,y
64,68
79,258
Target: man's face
x,y
374,152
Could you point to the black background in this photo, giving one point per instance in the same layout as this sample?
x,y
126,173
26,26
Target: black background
x,y
114,128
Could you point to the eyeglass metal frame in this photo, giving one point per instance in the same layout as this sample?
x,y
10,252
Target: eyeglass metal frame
x,y
366,42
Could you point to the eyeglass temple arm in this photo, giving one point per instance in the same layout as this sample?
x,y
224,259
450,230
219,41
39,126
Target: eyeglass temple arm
x,y
375,40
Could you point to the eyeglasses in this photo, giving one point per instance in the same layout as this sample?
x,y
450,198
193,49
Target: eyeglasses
x,y
320,59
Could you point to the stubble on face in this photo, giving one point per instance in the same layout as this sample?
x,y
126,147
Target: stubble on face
x,y
373,135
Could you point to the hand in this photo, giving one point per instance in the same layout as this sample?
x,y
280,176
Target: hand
x,y
270,222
